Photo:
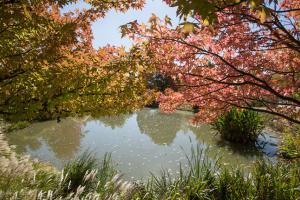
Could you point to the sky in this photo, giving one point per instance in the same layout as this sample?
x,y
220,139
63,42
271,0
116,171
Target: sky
x,y
106,30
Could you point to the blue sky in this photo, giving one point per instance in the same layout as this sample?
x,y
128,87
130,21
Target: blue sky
x,y
106,31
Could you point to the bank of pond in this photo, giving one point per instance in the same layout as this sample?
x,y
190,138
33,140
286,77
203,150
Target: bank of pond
x,y
160,156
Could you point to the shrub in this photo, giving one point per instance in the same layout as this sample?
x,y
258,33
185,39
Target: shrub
x,y
240,126
290,147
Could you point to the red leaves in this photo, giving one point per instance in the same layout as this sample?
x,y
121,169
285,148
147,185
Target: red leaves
x,y
232,63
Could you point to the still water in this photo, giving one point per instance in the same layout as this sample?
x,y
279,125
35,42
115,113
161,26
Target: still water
x,y
142,142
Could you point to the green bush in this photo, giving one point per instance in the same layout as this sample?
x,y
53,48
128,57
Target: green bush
x,y
240,126
290,148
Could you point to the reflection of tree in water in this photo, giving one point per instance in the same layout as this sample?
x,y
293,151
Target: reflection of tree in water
x,y
114,121
62,138
161,127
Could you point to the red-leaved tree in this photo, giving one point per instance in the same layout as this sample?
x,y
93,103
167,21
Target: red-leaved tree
x,y
241,55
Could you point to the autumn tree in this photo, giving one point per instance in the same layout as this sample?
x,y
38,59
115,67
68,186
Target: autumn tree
x,y
48,67
232,53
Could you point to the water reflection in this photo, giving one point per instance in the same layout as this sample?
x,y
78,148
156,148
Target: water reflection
x,y
62,139
162,127
141,142
117,121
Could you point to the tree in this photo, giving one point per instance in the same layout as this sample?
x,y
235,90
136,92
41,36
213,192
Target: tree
x,y
48,67
243,54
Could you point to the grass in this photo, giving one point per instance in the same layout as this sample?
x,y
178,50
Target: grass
x,y
290,147
239,126
204,180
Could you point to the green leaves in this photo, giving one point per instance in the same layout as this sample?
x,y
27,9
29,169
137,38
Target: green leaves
x,y
207,10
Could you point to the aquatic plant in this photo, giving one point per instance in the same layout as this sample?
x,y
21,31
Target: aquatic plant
x,y
290,147
240,126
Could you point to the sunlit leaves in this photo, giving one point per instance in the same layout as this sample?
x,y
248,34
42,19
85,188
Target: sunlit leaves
x,y
48,67
207,9
188,27
248,57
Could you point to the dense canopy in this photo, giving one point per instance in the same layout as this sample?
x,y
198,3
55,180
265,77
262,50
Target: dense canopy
x,y
235,54
48,67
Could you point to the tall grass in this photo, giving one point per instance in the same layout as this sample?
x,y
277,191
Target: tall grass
x,y
202,180
240,126
290,147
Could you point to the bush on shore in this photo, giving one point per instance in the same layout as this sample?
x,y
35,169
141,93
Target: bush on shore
x,y
239,126
290,148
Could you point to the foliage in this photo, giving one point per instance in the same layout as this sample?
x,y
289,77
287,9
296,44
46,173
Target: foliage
x,y
240,126
48,67
248,56
208,9
290,147
160,82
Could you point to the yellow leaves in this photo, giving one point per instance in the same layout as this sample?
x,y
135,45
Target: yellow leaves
x,y
153,19
262,12
140,68
121,51
206,22
188,27
262,16
255,3
26,12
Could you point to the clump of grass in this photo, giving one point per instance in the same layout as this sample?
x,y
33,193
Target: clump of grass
x,y
276,182
80,172
290,148
239,126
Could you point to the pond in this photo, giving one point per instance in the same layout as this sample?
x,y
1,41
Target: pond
x,y
142,142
